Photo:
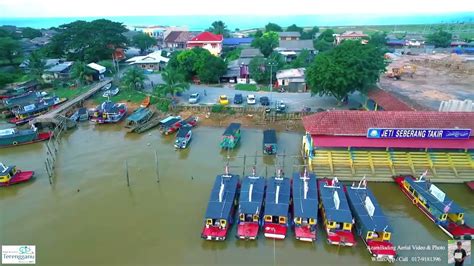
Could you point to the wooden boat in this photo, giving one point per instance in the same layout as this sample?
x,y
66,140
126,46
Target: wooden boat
x,y
231,136
221,207
168,123
277,207
24,99
10,175
29,112
154,122
190,121
436,205
80,115
250,206
15,137
305,206
183,137
109,112
137,118
470,185
269,142
145,102
370,222
335,212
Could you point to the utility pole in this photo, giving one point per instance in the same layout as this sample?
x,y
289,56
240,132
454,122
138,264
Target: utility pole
x,y
271,80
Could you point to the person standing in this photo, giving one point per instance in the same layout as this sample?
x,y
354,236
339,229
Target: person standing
x,y
459,255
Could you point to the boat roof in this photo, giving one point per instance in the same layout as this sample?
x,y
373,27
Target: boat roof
x,y
377,221
305,207
189,119
221,209
171,121
269,136
424,188
183,131
231,129
82,111
7,132
5,169
251,194
109,107
271,206
341,214
138,114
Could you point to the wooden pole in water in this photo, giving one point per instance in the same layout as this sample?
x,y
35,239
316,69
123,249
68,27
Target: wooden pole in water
x,y
49,149
126,172
266,171
157,168
47,172
243,169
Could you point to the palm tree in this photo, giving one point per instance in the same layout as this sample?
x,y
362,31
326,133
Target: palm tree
x,y
80,72
174,83
219,27
134,79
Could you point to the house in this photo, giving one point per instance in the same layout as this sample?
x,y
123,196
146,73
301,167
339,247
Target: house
x,y
177,39
27,46
250,53
98,71
291,49
459,44
349,35
207,40
292,80
415,40
41,41
236,42
237,71
289,36
58,71
150,62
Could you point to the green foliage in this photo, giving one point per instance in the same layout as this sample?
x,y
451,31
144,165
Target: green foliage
x,y
133,79
8,33
7,78
109,65
36,65
9,49
217,108
294,28
309,35
212,70
231,54
266,43
30,33
378,39
174,83
246,87
143,41
440,38
163,104
349,67
273,27
260,70
219,27
258,34
81,72
304,59
327,36
322,45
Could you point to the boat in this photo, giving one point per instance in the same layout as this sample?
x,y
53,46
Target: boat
x,y
221,207
107,87
436,205
24,99
190,121
168,123
15,137
269,142
11,176
153,122
305,206
109,112
183,137
110,92
335,212
29,112
145,102
80,115
371,224
277,206
137,118
250,206
231,136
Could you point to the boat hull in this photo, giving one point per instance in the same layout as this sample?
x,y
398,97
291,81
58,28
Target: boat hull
x,y
304,233
275,231
247,231
381,250
214,233
19,177
23,140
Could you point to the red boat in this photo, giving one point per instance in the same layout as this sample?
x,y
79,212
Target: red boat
x,y
305,206
436,205
277,207
190,121
10,175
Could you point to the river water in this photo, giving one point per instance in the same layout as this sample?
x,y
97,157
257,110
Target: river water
x,y
89,216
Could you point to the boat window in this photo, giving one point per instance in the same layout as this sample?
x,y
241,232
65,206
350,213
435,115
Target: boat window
x,y
298,220
386,236
209,221
312,221
268,218
282,219
444,216
248,218
255,217
242,217
460,216
3,178
347,226
223,223
369,235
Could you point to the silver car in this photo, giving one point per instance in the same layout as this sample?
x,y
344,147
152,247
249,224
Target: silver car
x,y
194,98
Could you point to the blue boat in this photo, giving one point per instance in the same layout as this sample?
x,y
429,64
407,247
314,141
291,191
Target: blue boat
x,y
137,118
305,206
277,207
28,112
109,112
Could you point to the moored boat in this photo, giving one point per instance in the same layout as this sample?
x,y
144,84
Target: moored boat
x,y
371,223
14,137
110,92
231,136
183,137
269,142
24,99
109,112
277,207
221,207
137,118
305,206
436,205
29,112
335,212
169,123
10,175
80,115
250,206
190,121
145,102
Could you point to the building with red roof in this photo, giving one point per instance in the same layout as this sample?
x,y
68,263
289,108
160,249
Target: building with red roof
x,y
207,40
380,100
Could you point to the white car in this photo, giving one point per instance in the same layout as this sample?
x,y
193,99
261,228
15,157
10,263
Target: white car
x,y
194,98
251,99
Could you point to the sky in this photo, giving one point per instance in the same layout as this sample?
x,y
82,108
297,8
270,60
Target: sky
x,y
82,8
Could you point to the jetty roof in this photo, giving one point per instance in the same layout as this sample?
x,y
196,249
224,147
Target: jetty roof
x,y
221,209
269,136
271,206
305,207
138,114
252,205
341,214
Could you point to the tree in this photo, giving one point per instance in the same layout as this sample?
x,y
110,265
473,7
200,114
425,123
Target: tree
x,y
273,27
347,68
9,49
80,72
440,38
230,55
174,83
302,60
309,35
294,28
134,79
212,70
378,39
327,35
259,67
258,34
266,43
109,65
30,33
36,65
325,41
143,41
219,27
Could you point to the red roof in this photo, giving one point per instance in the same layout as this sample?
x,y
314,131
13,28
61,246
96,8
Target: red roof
x,y
388,101
356,123
207,37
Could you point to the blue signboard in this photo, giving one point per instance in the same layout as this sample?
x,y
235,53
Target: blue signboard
x,y
418,133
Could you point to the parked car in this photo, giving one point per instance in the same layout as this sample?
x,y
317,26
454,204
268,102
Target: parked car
x,y
280,107
223,100
194,98
251,99
264,101
238,99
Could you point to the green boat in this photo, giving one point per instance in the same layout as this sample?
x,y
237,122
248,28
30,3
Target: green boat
x,y
138,118
14,137
231,136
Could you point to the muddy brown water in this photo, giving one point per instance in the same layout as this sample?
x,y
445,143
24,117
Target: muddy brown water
x,y
90,217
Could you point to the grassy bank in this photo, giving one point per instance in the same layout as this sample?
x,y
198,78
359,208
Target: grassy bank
x,y
130,96
251,87
69,93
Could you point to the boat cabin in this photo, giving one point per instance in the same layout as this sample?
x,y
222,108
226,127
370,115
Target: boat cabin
x,y
269,142
277,207
190,122
250,206
231,136
183,137
168,124
305,206
6,173
139,116
109,112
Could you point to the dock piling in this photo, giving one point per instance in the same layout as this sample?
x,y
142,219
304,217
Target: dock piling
x,y
126,173
243,169
157,168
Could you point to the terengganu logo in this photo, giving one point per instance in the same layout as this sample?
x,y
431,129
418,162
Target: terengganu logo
x,y
25,250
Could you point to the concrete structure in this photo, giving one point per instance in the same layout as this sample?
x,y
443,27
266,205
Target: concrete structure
x,y
150,62
289,36
99,71
177,40
349,35
292,80
456,106
380,100
207,40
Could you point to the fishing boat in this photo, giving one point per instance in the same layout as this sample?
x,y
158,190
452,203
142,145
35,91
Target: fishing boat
x,y
145,102
305,206
14,137
108,112
436,205
24,99
277,206
269,142
29,112
231,136
335,212
10,175
183,137
221,207
168,123
190,121
80,115
370,222
110,92
250,206
137,118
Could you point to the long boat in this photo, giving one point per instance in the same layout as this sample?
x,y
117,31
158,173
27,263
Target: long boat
x,y
29,112
335,212
436,205
221,207
190,122
183,137
109,112
231,136
250,206
371,223
169,123
305,206
10,175
137,118
14,137
24,99
277,207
